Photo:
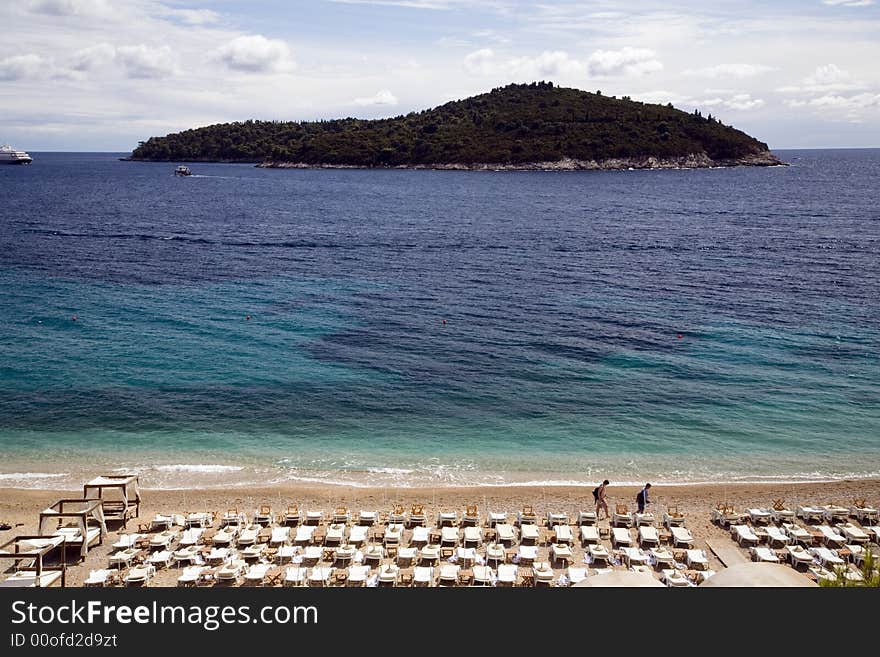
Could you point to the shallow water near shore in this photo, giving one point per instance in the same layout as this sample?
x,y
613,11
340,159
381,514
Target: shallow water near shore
x,y
439,328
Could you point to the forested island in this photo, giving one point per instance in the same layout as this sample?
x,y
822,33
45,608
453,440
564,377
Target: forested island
x,y
520,126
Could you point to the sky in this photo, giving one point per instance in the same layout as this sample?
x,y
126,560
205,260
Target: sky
x,y
102,75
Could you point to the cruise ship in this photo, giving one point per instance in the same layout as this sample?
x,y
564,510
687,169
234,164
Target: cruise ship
x,y
9,155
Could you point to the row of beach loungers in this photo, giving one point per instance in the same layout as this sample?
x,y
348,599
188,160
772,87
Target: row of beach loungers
x,y
819,540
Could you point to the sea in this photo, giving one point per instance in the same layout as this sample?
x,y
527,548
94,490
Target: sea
x,y
247,326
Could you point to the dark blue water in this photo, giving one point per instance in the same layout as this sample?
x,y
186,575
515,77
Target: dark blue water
x,y
434,327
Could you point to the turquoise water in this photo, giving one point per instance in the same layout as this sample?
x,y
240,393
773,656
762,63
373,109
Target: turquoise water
x,y
427,328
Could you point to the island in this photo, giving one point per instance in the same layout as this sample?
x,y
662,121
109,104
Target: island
x,y
537,126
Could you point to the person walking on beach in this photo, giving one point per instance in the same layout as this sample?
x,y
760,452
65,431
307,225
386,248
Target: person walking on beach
x,y
601,501
642,498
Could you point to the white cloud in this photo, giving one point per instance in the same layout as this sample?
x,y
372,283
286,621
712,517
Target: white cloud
x,y
22,67
480,62
145,62
743,102
555,63
630,62
70,7
92,57
256,54
848,3
826,78
383,97
728,71
834,106
194,16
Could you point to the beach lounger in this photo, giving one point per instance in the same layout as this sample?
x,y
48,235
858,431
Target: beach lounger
x,y
314,517
417,517
496,554
662,557
760,516
100,577
527,554
681,537
810,513
217,556
526,516
287,553
344,554
139,575
673,517
226,535
496,518
449,536
255,551
776,537
504,533
357,575
397,515
341,516
423,576
743,535
370,518
292,516
358,535
575,574
483,576
191,536
798,556
764,554
648,536
826,557
853,533
319,576
725,515
471,517
304,534
674,579
335,534
554,519
696,559
639,519
447,519
529,533
123,557
781,513
507,574
160,558
406,556
190,575
589,534
873,533
587,518
263,516
448,575
620,537
865,514
186,554
798,534
831,537
835,513
563,534
256,573
198,519
633,556
165,521
128,541
312,554
542,574
280,536
296,576
232,517
473,536
248,536
561,552
598,553
419,536
163,539
621,517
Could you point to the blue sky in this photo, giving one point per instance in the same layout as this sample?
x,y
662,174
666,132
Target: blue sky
x,y
104,74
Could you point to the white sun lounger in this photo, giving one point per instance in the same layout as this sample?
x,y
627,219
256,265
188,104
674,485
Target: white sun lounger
x,y
424,576
358,534
598,553
527,554
832,513
429,554
744,535
295,576
681,537
507,574
98,577
190,575
542,574
826,557
217,555
165,521
697,559
662,557
314,517
160,558
304,534
633,556
483,576
248,536
589,534
200,519
554,519
782,515
874,533
280,536
473,536
798,534
648,536
139,575
495,518
853,533
127,541
319,576
576,574
186,554
370,518
163,539
495,553
561,552
587,518
226,535
449,536
798,555
621,518
191,536
865,514
406,556
776,537
764,554
448,574
313,553
256,573
419,536
447,518
620,536
526,517
810,513
123,557
639,519
760,516
831,537
254,551
675,519
335,534
504,533
529,533
357,575
563,533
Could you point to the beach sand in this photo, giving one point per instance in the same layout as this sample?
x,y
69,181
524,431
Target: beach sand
x,y
20,508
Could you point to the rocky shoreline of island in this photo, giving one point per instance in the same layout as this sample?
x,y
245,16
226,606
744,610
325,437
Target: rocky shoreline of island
x,y
691,161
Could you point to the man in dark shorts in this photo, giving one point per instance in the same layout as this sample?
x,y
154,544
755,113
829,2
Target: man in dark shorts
x,y
601,501
642,498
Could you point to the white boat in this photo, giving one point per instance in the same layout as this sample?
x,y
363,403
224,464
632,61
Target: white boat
x,y
182,171
8,155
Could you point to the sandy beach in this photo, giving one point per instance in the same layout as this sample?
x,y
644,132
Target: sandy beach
x,y
20,508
